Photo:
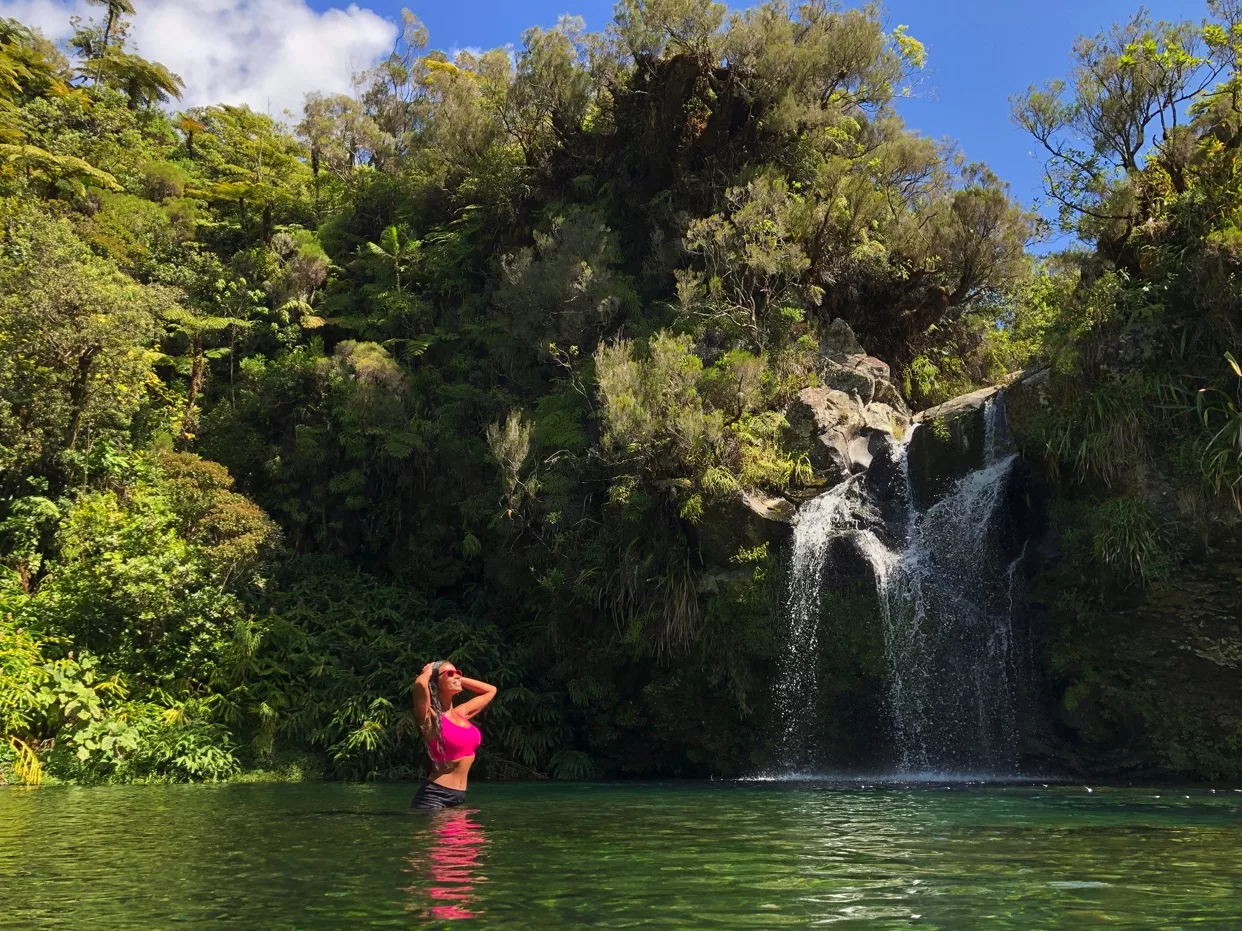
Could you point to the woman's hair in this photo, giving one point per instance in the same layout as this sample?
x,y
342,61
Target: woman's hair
x,y
437,709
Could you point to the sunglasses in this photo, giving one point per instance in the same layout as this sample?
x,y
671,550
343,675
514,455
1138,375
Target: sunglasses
x,y
451,672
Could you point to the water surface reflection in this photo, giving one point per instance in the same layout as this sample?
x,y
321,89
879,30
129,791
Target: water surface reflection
x,y
666,855
451,847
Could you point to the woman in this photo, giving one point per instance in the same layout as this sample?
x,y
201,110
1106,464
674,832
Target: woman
x,y
450,737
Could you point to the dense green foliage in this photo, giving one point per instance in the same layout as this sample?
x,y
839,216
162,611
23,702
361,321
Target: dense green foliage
x,y
468,357
1138,421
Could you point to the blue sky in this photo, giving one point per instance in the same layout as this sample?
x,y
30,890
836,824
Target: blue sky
x,y
980,52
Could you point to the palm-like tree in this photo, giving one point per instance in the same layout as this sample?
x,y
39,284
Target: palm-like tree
x,y
116,9
24,68
190,126
11,73
146,83
197,327
395,250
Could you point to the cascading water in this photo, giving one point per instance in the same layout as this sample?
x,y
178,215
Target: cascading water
x,y
946,608
945,587
821,521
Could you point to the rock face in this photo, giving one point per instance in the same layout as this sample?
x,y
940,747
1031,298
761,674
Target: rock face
x,y
847,419
952,438
1151,688
744,521
948,443
1025,398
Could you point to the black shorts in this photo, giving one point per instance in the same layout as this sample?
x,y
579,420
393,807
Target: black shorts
x,y
431,795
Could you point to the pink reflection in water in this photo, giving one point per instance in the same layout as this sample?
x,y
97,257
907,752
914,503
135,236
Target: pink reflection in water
x,y
446,865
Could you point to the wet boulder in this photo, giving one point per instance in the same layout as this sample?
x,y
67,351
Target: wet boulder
x,y
885,481
852,414
841,432
1025,398
948,444
824,421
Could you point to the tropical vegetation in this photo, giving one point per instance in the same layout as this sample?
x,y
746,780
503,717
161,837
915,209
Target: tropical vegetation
x,y
459,365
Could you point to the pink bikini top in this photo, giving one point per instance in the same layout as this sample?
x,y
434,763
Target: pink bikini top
x,y
457,740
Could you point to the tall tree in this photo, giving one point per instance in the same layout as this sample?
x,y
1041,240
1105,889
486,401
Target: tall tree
x,y
1125,97
144,83
117,10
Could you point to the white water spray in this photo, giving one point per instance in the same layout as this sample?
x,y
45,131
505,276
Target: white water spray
x,y
946,602
822,520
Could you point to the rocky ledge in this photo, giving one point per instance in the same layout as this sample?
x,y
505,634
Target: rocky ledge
x,y
843,423
850,416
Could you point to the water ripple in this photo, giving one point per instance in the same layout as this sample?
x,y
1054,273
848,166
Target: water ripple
x,y
670,855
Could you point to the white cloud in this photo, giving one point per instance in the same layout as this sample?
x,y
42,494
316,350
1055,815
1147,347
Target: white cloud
x,y
49,15
267,53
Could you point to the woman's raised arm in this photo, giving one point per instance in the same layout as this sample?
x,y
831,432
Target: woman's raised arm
x,y
422,697
483,693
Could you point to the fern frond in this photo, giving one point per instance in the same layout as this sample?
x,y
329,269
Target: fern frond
x,y
28,768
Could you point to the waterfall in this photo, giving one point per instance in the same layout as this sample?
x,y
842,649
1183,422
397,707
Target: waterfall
x,y
996,441
836,513
945,585
946,610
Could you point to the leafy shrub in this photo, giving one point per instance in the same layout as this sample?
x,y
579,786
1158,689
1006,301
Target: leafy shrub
x,y
1221,414
761,460
651,404
1127,538
151,574
332,665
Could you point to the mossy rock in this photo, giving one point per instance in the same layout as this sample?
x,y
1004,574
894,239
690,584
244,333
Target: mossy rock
x,y
948,444
1143,680
1025,400
742,522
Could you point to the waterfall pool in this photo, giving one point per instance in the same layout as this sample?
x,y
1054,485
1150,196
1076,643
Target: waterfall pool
x,y
929,854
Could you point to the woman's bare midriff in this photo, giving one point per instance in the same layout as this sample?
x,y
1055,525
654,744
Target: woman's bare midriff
x,y
452,775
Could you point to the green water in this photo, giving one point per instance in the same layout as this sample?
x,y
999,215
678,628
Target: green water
x,y
666,855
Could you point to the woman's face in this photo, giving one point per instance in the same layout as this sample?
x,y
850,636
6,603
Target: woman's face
x,y
450,679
